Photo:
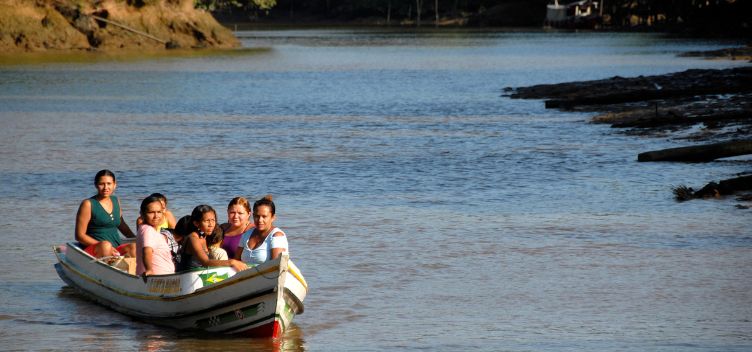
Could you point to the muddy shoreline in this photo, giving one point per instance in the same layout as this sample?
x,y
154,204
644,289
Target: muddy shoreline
x,y
707,110
108,25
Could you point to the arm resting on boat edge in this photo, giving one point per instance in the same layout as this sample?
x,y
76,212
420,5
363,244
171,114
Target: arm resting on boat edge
x,y
197,246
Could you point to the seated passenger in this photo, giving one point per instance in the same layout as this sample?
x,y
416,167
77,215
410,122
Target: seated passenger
x,y
265,242
153,248
238,223
195,252
99,218
168,220
180,233
214,243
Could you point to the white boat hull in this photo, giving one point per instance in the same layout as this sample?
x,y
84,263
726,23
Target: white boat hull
x,y
260,301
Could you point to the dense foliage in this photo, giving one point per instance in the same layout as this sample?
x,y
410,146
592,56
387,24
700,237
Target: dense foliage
x,y
242,5
721,15
718,15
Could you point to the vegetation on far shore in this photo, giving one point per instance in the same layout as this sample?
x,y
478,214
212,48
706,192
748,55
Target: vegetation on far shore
x,y
29,26
693,17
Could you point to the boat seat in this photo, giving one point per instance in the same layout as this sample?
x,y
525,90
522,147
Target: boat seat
x,y
125,264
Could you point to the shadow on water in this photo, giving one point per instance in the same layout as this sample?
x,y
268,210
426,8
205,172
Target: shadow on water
x,y
89,57
293,340
89,314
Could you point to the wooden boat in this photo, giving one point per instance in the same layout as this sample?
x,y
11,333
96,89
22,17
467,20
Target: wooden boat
x,y
582,14
259,302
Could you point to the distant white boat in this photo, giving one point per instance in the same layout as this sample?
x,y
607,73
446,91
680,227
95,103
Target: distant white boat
x,y
578,14
260,301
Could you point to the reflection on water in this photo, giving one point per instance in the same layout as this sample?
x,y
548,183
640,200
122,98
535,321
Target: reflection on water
x,y
91,57
425,210
190,341
113,331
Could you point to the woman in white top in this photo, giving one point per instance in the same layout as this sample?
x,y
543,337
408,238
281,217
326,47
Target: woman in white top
x,y
265,242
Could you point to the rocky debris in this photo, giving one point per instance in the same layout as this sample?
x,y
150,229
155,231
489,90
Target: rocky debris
x,y
716,189
711,111
619,90
108,25
742,53
719,102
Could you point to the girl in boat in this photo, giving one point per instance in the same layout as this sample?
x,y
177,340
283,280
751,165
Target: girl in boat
x,y
153,248
265,241
238,224
195,252
168,219
99,218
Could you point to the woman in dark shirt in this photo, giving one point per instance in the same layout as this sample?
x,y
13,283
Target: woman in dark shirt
x,y
99,218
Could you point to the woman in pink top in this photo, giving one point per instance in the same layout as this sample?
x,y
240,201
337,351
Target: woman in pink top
x,y
238,223
153,255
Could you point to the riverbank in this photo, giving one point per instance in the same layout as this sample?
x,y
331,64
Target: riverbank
x,y
719,19
108,25
712,107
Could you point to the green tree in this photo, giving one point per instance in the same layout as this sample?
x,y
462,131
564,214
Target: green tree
x,y
213,5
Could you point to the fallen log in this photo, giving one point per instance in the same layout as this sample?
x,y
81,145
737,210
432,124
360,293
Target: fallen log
x,y
674,118
603,98
619,89
701,153
147,35
638,95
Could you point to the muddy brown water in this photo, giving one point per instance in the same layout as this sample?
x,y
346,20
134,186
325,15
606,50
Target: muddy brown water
x,y
426,211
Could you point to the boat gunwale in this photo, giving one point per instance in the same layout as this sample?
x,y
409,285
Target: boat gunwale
x,y
236,277
83,276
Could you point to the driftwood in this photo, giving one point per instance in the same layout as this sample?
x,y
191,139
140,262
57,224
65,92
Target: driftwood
x,y
617,89
674,118
700,153
719,99
147,35
715,190
636,95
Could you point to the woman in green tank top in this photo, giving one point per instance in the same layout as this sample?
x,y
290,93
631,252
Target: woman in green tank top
x,y
99,218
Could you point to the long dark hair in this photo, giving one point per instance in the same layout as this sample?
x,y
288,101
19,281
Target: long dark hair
x,y
197,215
145,204
161,197
266,200
217,236
184,226
103,173
198,212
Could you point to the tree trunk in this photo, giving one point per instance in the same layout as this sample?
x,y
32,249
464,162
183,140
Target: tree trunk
x,y
701,153
418,5
436,10
389,13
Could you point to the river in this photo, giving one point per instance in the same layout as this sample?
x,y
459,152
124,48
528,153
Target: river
x,y
426,210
